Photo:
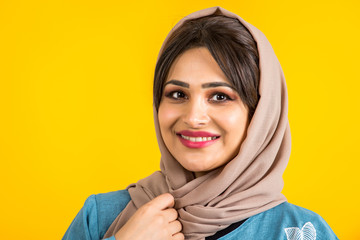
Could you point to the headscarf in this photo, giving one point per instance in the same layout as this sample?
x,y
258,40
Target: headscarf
x,y
250,183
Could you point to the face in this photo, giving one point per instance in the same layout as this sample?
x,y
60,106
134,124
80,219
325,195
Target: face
x,y
202,118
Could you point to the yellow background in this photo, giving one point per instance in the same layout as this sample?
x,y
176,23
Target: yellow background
x,y
76,103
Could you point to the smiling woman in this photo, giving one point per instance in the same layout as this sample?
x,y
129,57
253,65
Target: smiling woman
x,y
220,111
202,119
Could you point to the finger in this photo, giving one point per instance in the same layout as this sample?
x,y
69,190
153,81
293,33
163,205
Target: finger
x,y
175,227
162,201
178,236
170,214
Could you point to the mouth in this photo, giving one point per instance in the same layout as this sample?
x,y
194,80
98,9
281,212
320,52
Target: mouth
x,y
198,139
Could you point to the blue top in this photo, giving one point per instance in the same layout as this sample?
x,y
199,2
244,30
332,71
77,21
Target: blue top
x,y
285,221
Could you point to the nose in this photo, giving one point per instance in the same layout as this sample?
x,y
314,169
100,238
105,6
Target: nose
x,y
196,114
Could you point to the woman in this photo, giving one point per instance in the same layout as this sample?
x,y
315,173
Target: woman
x,y
220,110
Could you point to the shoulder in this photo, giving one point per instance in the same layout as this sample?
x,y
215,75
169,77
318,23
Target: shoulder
x,y
107,203
111,200
298,220
285,221
97,214
106,207
291,213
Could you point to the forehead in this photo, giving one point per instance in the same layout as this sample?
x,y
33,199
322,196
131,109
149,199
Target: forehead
x,y
196,66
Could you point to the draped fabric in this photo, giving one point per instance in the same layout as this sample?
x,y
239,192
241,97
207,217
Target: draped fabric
x,y
248,184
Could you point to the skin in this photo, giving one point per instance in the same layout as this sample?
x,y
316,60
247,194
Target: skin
x,y
156,220
195,105
200,107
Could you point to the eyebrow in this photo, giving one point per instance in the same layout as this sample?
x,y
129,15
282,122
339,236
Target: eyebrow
x,y
178,83
216,84
205,85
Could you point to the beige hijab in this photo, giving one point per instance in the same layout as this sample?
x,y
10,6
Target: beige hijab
x,y
250,183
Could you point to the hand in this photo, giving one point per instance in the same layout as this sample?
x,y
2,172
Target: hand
x,y
156,220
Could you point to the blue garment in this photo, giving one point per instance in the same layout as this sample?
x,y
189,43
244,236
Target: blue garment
x,y
285,221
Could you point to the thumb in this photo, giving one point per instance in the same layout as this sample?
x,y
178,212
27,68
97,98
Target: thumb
x,y
162,201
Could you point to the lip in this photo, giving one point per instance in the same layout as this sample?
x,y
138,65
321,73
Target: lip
x,y
202,144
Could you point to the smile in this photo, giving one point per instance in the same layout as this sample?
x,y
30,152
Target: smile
x,y
198,139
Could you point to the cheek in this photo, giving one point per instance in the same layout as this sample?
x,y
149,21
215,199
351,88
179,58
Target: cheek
x,y
231,119
234,124
167,117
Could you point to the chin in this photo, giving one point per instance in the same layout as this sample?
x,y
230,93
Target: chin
x,y
194,166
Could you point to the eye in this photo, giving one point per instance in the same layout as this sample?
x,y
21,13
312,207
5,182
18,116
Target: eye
x,y
177,95
219,97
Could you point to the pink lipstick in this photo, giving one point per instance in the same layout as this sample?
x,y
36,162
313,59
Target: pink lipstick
x,y
197,139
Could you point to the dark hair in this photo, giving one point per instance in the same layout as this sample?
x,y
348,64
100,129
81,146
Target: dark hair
x,y
230,44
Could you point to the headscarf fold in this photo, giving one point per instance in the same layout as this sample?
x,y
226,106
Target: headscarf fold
x,y
250,183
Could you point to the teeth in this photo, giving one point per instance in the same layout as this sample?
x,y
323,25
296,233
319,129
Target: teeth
x,y
198,139
185,137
